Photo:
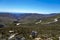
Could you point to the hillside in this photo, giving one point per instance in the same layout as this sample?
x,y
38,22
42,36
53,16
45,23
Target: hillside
x,y
47,25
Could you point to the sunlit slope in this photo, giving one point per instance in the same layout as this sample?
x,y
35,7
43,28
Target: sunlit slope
x,y
49,20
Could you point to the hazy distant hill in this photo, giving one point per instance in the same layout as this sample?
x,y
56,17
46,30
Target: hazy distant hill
x,y
26,17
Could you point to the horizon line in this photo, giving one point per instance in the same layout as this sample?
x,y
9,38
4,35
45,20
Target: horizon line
x,y
30,12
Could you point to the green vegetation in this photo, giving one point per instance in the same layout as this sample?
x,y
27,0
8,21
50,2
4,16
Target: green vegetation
x,y
28,25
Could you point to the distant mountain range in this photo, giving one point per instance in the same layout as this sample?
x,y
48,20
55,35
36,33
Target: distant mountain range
x,y
26,17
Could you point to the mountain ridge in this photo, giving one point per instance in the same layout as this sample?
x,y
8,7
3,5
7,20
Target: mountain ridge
x,y
27,17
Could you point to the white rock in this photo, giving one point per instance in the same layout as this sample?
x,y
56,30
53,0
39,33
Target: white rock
x,y
55,20
18,24
59,38
49,39
12,36
30,36
37,38
38,22
11,31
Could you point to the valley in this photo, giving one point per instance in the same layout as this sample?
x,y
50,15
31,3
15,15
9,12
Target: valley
x,y
21,25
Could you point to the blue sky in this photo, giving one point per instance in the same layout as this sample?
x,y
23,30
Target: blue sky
x,y
30,6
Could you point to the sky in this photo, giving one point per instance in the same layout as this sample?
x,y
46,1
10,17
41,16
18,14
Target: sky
x,y
30,6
